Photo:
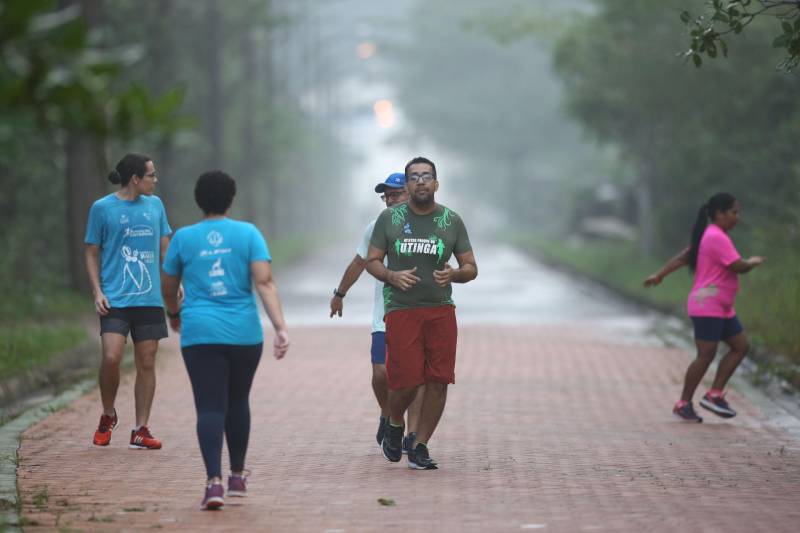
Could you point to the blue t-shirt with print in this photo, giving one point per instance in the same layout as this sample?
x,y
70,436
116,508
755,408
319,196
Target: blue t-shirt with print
x,y
128,234
213,257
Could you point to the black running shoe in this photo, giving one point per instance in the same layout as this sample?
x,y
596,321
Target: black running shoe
x,y
717,405
686,413
408,441
381,430
418,459
392,445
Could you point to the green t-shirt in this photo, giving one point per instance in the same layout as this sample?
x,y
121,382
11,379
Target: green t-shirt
x,y
422,241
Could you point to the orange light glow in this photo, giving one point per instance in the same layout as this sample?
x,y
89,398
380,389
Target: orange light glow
x,y
384,113
366,50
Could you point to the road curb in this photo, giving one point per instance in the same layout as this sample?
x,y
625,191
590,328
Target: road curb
x,y
9,445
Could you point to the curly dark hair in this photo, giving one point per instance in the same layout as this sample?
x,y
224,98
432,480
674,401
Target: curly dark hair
x,y
214,192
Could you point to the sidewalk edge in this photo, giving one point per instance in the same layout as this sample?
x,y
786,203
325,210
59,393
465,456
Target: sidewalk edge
x,y
10,434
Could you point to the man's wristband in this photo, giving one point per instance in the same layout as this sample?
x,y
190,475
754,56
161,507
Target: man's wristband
x,y
337,293
173,315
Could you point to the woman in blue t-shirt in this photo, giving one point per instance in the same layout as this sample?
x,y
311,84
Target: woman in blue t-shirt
x,y
219,260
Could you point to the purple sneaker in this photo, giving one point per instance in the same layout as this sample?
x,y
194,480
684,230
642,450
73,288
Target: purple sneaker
x,y
214,497
237,485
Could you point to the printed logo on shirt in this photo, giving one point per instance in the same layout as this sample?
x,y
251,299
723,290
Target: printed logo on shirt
x,y
216,269
443,221
398,214
407,228
135,276
705,292
409,246
218,288
123,219
138,231
147,215
214,238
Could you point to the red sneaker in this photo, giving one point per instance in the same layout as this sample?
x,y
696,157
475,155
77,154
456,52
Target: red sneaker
x,y
141,439
102,437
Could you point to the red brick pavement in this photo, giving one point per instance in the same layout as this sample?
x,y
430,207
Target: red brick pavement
x,y
545,429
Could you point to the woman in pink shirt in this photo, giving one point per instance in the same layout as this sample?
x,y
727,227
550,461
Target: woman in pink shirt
x,y
716,265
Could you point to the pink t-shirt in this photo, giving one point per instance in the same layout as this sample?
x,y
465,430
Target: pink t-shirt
x,y
714,289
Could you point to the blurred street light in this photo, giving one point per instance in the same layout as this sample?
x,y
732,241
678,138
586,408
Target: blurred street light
x,y
384,113
366,50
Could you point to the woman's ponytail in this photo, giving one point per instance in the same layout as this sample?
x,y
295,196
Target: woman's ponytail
x,y
719,202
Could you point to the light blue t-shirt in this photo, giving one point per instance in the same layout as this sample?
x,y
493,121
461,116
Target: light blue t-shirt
x,y
214,257
128,234
377,304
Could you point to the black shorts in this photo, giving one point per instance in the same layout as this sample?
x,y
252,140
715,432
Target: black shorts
x,y
713,329
143,323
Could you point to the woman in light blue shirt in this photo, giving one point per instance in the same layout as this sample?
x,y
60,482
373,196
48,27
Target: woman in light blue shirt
x,y
219,260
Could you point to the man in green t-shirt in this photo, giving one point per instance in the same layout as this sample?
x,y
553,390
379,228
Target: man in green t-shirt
x,y
419,237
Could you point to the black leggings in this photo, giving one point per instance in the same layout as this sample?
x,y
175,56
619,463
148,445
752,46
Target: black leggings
x,y
221,376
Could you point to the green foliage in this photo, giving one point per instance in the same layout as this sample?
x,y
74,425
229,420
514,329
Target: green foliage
x,y
41,497
27,345
616,264
722,18
768,301
54,68
686,133
769,297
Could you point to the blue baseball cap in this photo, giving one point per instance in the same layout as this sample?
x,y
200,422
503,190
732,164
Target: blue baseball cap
x,y
394,181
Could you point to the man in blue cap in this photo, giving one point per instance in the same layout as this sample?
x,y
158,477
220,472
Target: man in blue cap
x,y
393,192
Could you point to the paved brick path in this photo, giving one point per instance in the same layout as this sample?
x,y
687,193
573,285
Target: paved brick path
x,y
546,429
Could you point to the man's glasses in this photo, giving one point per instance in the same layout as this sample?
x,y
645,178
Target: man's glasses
x,y
425,177
392,195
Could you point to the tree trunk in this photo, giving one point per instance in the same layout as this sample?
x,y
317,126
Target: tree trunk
x,y
644,213
214,104
249,174
161,61
269,93
86,171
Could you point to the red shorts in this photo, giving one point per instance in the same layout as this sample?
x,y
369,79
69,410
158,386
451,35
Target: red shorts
x,y
421,346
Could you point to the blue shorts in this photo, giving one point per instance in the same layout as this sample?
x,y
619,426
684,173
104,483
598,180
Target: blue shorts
x,y
378,348
714,329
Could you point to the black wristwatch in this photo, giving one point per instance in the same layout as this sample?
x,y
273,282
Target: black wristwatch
x,y
173,315
337,293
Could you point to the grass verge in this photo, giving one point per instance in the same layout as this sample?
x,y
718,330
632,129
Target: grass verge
x,y
768,302
35,327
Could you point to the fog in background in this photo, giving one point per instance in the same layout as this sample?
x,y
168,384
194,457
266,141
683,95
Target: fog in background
x,y
579,131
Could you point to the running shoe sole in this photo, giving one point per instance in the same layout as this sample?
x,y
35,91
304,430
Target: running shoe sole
x,y
213,504
415,466
236,494
687,420
138,447
711,406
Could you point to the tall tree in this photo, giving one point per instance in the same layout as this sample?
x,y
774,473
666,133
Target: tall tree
x,y
214,111
687,133
86,169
